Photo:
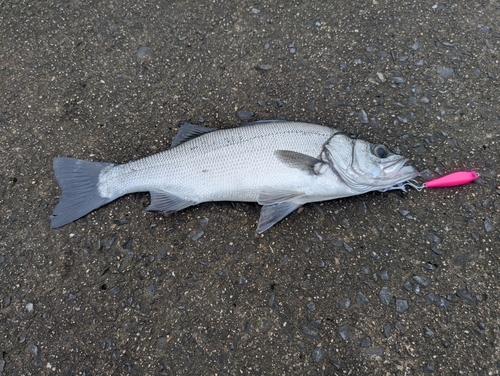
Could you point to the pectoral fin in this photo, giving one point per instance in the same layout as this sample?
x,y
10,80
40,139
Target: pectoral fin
x,y
271,214
167,203
301,161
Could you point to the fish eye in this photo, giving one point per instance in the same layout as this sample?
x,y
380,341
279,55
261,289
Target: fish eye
x,y
380,151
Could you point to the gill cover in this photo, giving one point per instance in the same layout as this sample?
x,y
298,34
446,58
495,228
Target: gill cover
x,y
365,166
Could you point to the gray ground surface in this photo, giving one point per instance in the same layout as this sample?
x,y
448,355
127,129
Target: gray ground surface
x,y
323,292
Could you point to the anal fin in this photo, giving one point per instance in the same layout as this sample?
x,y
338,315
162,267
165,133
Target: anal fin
x,y
167,203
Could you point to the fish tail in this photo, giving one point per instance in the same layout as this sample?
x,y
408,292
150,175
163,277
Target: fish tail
x,y
79,182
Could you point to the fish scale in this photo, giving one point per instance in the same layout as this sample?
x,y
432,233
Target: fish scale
x,y
226,162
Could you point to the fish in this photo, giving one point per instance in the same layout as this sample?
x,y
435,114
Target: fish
x,y
281,165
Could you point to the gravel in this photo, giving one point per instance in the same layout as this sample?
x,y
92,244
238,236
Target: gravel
x,y
401,306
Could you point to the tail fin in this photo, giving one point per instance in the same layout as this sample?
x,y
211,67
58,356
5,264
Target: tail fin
x,y
79,181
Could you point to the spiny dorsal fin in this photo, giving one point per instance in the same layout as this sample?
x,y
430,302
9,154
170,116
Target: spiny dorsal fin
x,y
189,131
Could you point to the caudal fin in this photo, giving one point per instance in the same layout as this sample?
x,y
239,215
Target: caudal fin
x,y
78,180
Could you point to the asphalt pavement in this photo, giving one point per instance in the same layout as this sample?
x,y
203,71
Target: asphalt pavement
x,y
379,284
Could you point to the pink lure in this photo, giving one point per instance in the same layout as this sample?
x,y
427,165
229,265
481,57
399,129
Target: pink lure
x,y
457,178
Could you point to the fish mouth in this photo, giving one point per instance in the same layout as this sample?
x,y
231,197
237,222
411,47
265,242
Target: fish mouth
x,y
396,168
397,174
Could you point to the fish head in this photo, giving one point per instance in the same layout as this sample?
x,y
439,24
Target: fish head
x,y
365,166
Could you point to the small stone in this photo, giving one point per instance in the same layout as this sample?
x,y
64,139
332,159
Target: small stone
x,y
114,290
366,342
310,333
318,354
428,368
347,247
445,72
162,252
437,251
361,299
428,332
197,235
316,323
345,303
460,259
387,330
109,243
255,11
385,295
401,306
142,52
345,332
376,351
408,286
151,289
415,46
345,224
422,281
311,306
33,349
244,115
466,297
420,63
429,266
363,117
272,301
400,328
442,303
416,288
266,326
161,343
429,298
29,307
264,67
488,225
434,239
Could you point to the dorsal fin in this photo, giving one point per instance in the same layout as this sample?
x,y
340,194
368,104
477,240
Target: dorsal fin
x,y
189,131
258,122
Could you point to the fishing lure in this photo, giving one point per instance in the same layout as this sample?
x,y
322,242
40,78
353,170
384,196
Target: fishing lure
x,y
451,180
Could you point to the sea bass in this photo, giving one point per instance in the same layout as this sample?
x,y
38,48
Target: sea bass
x,y
280,165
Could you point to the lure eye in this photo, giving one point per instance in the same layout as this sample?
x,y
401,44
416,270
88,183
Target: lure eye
x,y
380,151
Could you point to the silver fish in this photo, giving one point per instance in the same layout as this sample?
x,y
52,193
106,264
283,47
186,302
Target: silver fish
x,y
280,165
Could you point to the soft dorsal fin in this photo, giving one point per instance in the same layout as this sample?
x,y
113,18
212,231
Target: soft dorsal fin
x,y
258,122
189,131
301,161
